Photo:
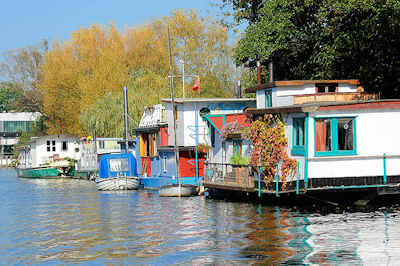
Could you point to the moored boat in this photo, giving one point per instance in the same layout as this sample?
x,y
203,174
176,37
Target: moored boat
x,y
117,172
177,190
39,160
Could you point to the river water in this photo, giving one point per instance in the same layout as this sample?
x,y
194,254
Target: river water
x,y
65,221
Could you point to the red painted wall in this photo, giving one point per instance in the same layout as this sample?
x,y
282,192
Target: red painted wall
x,y
240,118
187,164
164,136
358,106
218,121
146,166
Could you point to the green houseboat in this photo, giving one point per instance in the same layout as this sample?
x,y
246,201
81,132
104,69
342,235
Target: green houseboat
x,y
48,157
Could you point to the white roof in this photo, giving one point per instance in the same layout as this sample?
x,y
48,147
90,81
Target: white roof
x,y
197,100
20,116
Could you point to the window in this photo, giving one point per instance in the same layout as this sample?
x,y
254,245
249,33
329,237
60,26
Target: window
x,y
101,144
335,136
237,147
51,145
17,126
148,144
165,163
268,98
64,146
298,136
212,135
325,88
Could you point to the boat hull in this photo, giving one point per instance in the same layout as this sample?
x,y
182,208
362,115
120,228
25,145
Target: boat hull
x,y
175,190
47,172
117,183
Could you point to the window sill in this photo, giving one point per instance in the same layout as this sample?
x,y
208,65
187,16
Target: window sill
x,y
335,153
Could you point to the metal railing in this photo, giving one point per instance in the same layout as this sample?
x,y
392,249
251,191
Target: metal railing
x,y
229,174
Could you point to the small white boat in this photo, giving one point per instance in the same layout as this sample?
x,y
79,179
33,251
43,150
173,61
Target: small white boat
x,y
177,190
117,172
117,183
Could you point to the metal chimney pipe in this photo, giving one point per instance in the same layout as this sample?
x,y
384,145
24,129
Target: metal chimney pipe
x,y
258,73
271,71
239,89
126,118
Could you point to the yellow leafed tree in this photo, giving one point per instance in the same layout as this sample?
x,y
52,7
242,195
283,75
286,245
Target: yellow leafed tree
x,y
79,74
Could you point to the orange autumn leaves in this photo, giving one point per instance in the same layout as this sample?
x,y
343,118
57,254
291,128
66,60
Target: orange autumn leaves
x,y
97,61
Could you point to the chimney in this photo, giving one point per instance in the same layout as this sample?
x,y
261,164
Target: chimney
x,y
271,71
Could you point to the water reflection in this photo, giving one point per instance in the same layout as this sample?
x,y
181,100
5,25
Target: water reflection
x,y
69,221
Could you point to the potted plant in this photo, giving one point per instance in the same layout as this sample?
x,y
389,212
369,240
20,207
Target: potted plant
x,y
238,162
202,147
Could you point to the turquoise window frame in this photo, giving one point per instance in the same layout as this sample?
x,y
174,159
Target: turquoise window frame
x,y
334,141
298,149
237,147
268,98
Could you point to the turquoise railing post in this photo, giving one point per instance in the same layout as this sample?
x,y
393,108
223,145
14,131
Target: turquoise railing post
x,y
277,181
196,140
384,169
306,154
298,177
259,179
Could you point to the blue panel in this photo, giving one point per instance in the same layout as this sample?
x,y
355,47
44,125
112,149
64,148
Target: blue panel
x,y
106,171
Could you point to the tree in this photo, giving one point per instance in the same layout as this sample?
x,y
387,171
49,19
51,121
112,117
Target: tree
x,y
22,68
7,96
80,74
242,10
328,39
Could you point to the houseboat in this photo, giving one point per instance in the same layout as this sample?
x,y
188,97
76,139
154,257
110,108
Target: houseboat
x,y
48,156
93,149
195,137
342,139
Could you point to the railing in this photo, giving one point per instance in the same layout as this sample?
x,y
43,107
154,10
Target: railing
x,y
229,174
335,97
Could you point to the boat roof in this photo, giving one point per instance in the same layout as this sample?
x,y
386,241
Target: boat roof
x,y
206,100
285,83
326,106
52,137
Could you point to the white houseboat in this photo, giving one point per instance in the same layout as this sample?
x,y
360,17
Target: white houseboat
x,y
48,156
344,140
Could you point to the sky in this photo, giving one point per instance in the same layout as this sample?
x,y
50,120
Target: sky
x,y
26,22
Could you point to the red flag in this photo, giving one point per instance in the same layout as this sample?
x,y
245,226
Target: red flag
x,y
197,84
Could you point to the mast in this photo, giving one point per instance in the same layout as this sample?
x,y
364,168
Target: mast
x,y
126,135
173,109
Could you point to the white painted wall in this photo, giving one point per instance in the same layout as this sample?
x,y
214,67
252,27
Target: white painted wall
x,y
377,132
281,93
260,98
40,154
347,88
295,90
186,134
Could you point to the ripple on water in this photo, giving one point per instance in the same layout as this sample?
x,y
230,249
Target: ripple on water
x,y
69,221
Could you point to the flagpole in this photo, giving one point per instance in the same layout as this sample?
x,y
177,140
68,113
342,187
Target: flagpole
x,y
183,75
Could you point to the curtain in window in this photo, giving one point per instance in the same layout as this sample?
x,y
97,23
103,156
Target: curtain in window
x,y
143,145
345,134
321,135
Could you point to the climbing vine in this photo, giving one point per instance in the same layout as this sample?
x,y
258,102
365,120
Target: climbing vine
x,y
269,148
